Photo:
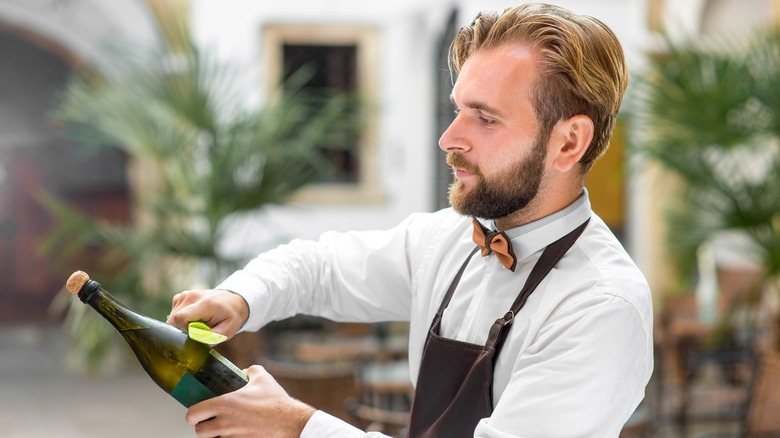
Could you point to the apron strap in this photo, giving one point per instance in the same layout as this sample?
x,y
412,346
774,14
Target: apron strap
x,y
448,296
550,257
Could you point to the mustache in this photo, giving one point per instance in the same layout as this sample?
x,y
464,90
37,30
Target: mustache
x,y
456,160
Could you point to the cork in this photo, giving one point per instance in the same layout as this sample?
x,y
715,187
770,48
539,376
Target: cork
x,y
76,281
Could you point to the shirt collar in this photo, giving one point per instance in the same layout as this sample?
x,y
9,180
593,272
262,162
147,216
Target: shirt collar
x,y
529,238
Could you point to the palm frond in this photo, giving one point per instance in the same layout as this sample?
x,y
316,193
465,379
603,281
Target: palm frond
x,y
179,109
711,117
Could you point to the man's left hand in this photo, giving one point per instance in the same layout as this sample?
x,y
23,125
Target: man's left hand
x,y
261,408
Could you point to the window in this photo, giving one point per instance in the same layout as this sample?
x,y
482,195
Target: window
x,y
340,58
333,68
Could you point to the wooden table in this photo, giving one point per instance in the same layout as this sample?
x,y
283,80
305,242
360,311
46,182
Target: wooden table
x,y
688,344
348,348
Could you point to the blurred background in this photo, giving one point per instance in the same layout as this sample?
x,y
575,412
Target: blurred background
x,y
160,144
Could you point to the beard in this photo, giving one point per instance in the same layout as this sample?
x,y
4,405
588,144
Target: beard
x,y
503,194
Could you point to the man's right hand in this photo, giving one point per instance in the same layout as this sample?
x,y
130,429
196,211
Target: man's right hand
x,y
223,311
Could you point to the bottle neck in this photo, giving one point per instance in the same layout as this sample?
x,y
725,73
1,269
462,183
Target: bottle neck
x,y
119,315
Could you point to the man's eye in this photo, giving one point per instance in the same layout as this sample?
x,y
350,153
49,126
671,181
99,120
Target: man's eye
x,y
486,121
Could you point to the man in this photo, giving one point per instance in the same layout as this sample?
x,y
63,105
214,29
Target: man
x,y
546,332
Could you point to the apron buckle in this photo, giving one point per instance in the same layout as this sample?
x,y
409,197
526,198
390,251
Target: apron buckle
x,y
508,318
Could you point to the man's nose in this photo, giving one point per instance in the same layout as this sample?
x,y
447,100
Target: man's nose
x,y
454,139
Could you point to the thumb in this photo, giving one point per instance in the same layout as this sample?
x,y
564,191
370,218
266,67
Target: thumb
x,y
256,372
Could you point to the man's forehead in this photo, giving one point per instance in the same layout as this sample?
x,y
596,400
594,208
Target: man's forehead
x,y
490,75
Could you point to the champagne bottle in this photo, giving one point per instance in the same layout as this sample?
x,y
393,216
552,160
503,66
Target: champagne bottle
x,y
184,368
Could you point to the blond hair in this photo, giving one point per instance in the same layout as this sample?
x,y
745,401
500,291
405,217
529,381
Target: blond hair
x,y
582,69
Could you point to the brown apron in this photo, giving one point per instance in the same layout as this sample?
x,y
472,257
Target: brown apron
x,y
453,389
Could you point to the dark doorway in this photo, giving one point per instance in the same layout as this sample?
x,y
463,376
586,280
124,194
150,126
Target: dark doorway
x,y
34,159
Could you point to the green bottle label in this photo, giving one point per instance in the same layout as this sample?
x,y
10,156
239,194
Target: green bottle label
x,y
189,391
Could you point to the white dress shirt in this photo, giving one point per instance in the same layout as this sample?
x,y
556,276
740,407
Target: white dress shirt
x,y
577,358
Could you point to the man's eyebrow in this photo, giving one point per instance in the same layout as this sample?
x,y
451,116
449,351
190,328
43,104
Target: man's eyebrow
x,y
481,106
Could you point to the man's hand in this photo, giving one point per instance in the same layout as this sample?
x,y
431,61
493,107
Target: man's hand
x,y
223,311
261,408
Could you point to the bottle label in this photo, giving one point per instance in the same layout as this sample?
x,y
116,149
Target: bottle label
x,y
189,391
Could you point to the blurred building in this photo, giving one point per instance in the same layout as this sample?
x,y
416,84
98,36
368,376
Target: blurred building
x,y
392,53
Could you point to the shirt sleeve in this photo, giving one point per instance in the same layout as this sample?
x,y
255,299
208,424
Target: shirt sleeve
x,y
350,277
582,376
323,425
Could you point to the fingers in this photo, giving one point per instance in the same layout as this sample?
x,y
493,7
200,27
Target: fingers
x,y
212,428
206,419
200,412
207,429
187,307
223,311
261,408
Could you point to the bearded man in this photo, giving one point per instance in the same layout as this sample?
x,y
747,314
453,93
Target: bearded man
x,y
527,318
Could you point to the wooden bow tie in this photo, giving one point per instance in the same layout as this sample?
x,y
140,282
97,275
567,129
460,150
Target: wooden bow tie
x,y
496,242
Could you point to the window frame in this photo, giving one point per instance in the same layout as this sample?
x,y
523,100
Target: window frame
x,y
366,41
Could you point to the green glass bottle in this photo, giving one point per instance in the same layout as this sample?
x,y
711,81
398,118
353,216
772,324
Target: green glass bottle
x,y
188,370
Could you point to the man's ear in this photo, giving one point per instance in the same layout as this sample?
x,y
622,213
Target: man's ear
x,y
575,135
